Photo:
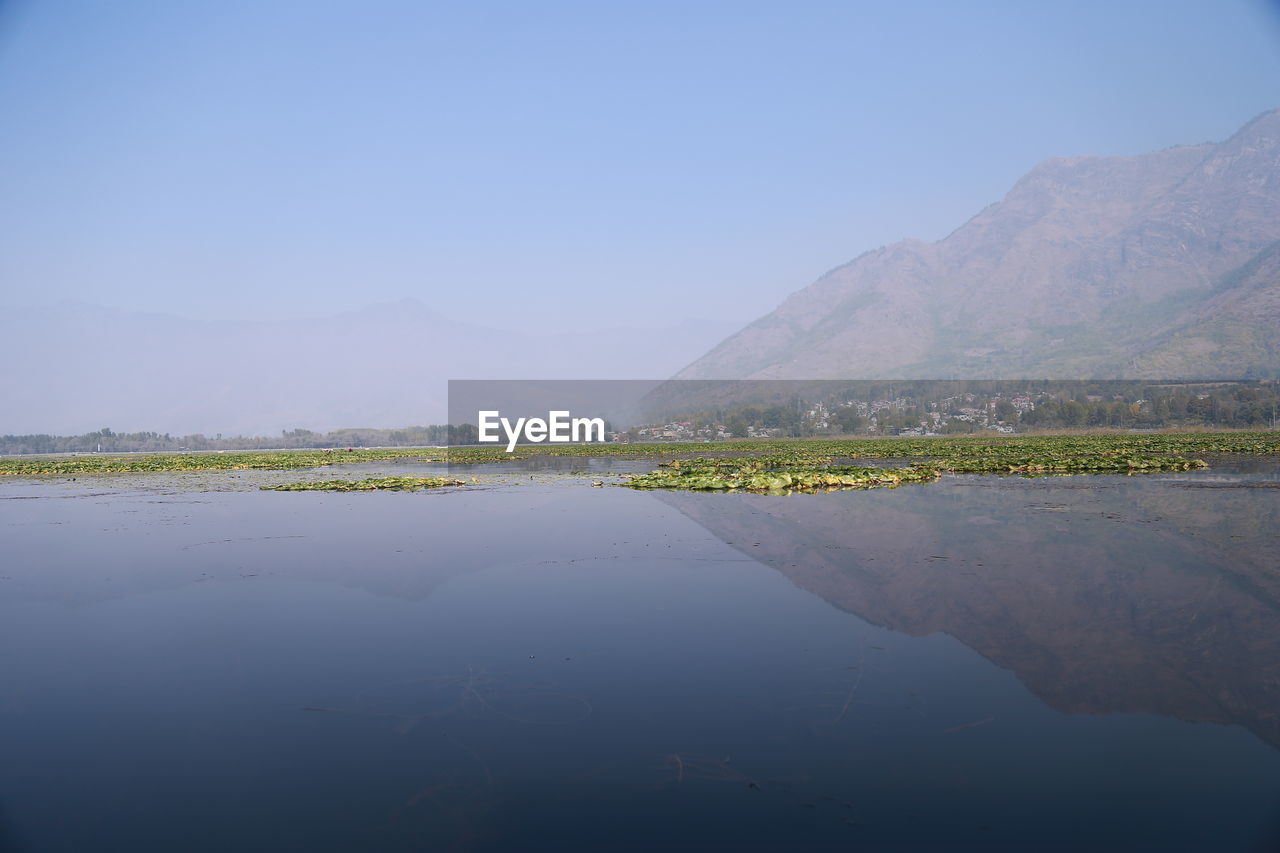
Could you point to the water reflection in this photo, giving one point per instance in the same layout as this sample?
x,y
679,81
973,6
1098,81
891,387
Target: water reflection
x,y
551,666
1103,595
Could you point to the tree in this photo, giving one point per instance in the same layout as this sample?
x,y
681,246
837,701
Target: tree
x,y
848,420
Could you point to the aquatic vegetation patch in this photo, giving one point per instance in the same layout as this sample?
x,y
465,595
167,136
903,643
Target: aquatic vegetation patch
x,y
1102,463
757,475
373,484
802,471
803,452
271,460
946,447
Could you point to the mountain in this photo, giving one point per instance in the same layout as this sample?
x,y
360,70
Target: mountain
x,y
1158,266
76,367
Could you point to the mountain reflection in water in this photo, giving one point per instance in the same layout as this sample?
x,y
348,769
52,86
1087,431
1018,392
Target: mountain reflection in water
x,y
533,664
1102,594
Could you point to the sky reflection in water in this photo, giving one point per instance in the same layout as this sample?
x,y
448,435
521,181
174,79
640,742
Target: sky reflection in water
x,y
979,663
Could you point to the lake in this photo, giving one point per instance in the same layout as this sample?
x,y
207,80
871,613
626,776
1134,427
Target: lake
x,y
529,663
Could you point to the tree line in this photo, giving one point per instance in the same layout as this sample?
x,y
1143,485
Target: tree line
x,y
957,407
107,441
1053,405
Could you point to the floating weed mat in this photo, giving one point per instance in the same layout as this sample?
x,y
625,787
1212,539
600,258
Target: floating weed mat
x,y
940,447
395,484
1103,463
772,476
809,472
276,460
812,449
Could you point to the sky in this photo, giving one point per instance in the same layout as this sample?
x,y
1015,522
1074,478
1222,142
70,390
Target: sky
x,y
560,165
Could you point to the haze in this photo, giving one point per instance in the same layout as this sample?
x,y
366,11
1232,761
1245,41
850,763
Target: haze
x,y
553,169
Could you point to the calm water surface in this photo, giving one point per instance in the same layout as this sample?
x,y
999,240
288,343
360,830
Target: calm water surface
x,y
533,664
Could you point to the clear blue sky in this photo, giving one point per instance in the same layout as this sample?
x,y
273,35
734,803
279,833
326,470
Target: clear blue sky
x,y
559,164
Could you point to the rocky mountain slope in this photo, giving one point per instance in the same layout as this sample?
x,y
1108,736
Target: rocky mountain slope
x,y
1162,265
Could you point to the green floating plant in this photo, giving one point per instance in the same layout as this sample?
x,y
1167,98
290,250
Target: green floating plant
x,y
1101,463
1023,449
373,484
798,471
752,475
248,460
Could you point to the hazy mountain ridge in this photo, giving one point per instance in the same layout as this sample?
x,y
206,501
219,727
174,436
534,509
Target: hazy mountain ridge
x,y
383,366
1085,269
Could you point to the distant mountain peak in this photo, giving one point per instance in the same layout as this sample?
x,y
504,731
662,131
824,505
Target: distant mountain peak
x,y
1089,266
